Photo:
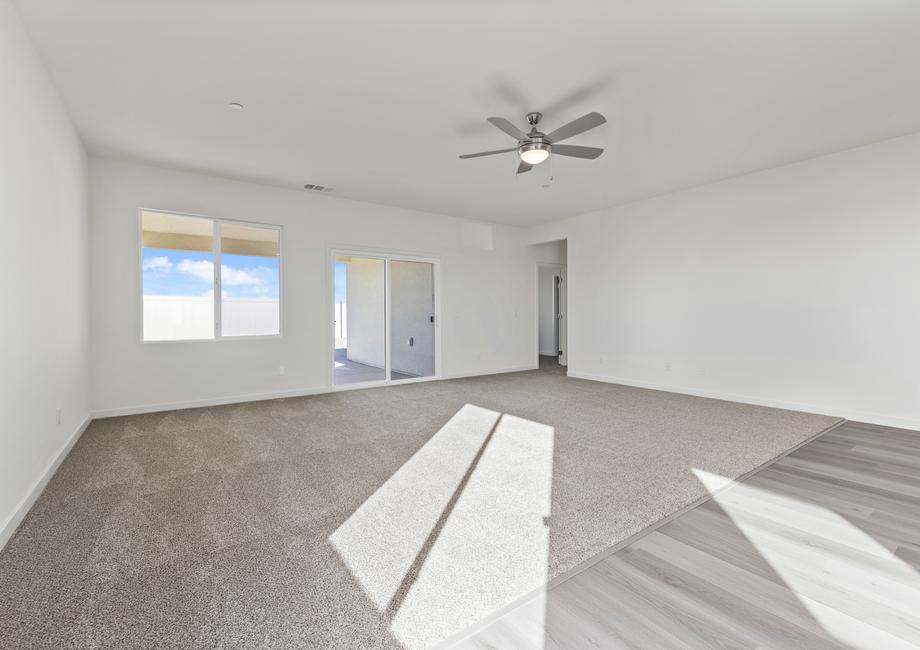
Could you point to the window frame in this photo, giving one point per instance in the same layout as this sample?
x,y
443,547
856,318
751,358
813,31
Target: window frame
x,y
216,251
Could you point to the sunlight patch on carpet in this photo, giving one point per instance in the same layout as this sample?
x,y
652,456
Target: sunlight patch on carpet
x,y
460,529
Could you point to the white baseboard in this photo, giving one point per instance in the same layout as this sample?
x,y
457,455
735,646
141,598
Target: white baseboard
x,y
501,371
849,414
208,401
257,397
25,504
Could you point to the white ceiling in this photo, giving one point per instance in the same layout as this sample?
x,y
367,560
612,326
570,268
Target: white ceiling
x,y
377,98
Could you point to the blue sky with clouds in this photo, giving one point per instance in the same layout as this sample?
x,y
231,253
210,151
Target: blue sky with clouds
x,y
190,273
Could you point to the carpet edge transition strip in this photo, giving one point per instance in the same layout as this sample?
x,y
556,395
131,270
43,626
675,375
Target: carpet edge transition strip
x,y
584,565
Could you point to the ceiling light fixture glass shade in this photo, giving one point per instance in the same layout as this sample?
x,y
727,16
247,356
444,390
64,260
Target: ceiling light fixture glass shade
x,y
534,153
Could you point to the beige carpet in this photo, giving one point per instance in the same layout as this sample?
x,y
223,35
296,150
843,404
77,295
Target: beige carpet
x,y
389,517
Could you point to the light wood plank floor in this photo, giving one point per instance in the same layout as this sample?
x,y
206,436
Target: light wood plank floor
x,y
821,549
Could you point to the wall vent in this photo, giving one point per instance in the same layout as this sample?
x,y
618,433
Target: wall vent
x,y
317,188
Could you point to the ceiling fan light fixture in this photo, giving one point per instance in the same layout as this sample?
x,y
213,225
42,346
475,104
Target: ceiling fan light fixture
x,y
533,153
534,147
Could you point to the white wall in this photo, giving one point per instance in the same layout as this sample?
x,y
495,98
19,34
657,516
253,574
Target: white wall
x,y
797,286
488,296
412,305
44,323
549,252
365,297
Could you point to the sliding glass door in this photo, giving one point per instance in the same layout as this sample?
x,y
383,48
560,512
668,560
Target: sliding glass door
x,y
384,319
411,319
360,319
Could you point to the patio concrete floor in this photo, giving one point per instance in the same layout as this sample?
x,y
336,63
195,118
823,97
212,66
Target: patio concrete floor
x,y
352,372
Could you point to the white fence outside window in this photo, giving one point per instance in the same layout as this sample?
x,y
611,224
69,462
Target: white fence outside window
x,y
170,318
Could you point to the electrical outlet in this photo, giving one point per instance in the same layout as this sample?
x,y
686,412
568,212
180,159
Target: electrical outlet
x,y
702,372
280,370
60,416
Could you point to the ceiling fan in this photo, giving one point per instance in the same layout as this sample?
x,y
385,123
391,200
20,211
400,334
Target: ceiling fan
x,y
534,147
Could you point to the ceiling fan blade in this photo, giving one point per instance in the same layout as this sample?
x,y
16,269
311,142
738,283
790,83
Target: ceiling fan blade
x,y
573,128
487,153
507,127
524,167
576,151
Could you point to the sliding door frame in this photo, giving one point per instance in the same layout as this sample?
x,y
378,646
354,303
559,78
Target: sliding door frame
x,y
387,256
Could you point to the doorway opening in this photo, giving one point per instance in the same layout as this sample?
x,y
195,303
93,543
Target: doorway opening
x,y
552,302
385,325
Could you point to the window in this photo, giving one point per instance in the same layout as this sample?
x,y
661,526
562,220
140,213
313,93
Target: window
x,y
250,280
181,279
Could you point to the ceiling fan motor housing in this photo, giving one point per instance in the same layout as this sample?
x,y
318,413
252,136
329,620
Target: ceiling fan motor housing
x,y
534,144
536,148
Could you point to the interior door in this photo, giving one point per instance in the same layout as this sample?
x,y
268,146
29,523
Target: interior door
x,y
562,318
557,314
